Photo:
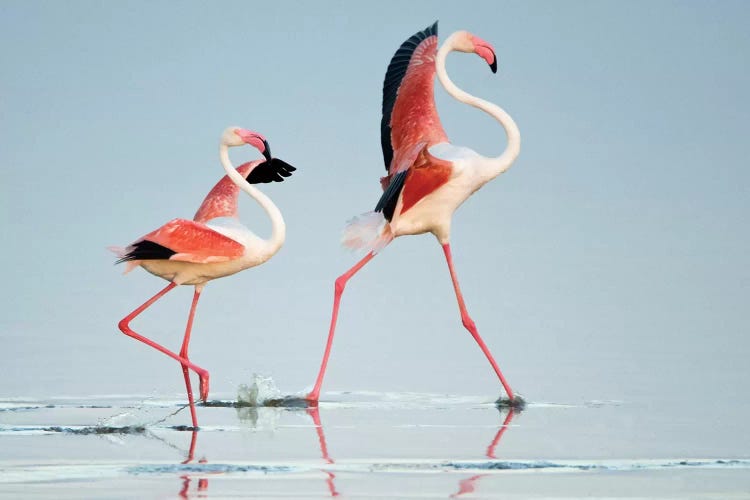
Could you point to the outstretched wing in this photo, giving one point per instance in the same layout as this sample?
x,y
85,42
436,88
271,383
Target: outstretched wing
x,y
409,113
184,240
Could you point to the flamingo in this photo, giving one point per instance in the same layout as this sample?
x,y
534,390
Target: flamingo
x,y
212,245
428,177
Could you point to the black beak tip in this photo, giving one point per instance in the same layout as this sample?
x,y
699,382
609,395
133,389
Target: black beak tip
x,y
493,66
267,151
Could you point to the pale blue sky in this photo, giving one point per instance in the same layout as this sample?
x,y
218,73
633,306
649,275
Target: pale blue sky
x,y
609,263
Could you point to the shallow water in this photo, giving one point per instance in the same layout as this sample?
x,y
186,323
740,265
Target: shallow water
x,y
362,444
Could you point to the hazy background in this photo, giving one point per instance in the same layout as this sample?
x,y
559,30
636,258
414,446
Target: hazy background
x,y
609,263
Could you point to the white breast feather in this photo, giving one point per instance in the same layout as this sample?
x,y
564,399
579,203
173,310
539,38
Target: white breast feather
x,y
449,152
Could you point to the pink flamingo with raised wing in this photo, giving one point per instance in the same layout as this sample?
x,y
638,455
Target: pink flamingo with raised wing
x,y
212,245
428,178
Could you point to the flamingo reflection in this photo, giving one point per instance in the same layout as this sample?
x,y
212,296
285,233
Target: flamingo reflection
x,y
468,485
186,479
315,414
250,414
188,488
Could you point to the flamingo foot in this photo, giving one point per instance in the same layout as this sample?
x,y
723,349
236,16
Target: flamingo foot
x,y
516,403
203,385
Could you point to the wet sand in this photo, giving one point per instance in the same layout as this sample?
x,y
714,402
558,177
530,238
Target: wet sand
x,y
364,445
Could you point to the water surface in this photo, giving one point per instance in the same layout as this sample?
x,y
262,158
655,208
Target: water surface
x,y
361,444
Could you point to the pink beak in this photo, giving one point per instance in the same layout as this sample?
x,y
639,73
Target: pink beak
x,y
254,139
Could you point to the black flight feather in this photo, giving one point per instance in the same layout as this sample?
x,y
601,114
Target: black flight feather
x,y
389,198
146,250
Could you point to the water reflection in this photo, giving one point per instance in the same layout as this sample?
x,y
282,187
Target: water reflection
x,y
186,479
315,414
262,417
202,487
252,416
469,485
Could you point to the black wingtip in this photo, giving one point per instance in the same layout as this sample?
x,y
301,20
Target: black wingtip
x,y
493,66
146,250
283,165
273,170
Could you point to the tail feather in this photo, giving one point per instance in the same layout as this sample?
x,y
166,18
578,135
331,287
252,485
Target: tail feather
x,y
122,254
119,251
369,232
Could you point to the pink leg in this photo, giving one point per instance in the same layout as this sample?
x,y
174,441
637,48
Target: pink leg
x,y
124,326
469,323
184,354
339,289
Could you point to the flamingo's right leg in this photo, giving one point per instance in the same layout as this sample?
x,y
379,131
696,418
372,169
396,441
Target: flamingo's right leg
x,y
472,328
338,290
124,326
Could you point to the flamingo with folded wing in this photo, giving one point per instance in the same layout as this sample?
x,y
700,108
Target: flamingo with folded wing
x,y
212,245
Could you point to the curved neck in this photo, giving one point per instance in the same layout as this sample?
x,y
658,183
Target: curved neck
x,y
498,164
278,228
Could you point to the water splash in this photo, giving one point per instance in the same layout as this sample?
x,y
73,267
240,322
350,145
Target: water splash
x,y
262,392
258,392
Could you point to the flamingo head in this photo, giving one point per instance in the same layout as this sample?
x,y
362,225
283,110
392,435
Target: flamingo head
x,y
466,42
236,136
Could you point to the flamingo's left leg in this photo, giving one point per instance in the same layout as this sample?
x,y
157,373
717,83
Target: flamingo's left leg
x,y
184,354
339,287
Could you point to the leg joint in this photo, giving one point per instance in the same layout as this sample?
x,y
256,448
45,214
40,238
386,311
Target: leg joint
x,y
468,323
124,326
340,284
